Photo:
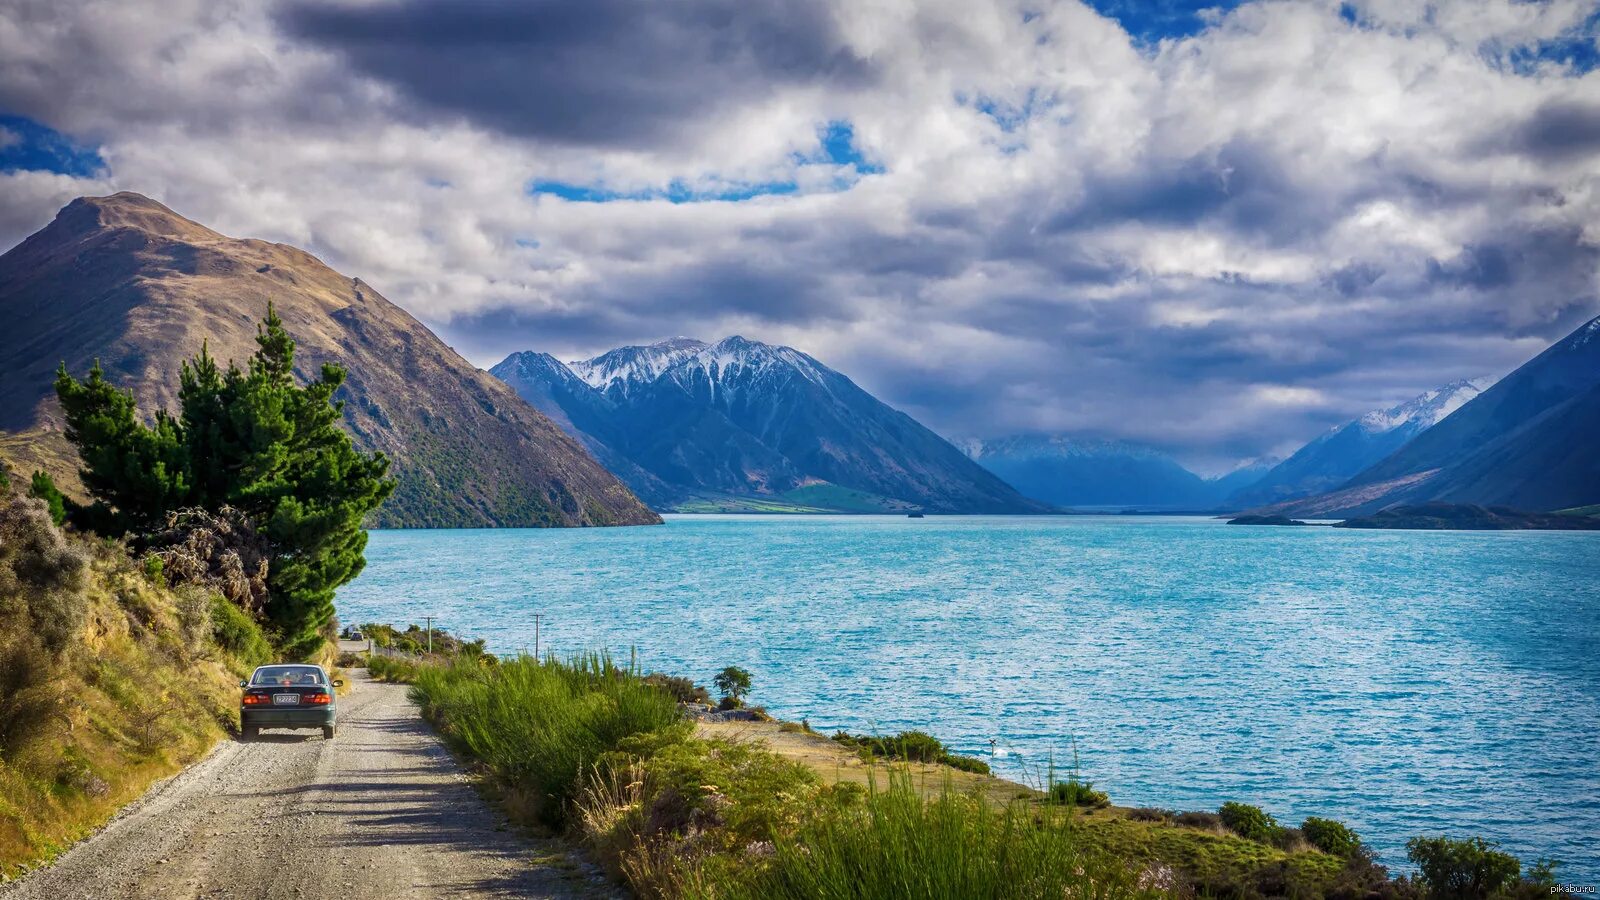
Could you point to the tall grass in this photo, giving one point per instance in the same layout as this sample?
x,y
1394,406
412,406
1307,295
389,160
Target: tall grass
x,y
897,844
540,724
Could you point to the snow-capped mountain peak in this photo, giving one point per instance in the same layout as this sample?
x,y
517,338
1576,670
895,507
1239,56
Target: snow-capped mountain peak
x,y
1426,409
622,369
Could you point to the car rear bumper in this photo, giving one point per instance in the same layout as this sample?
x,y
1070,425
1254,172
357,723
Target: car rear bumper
x,y
286,718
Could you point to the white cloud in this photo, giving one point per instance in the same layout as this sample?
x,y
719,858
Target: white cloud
x,y
1067,226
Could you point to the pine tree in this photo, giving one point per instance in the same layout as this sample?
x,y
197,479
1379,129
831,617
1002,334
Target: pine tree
x,y
252,439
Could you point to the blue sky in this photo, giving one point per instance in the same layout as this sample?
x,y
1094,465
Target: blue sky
x,y
1217,229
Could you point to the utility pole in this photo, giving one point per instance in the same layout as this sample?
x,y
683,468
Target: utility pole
x,y
536,618
430,634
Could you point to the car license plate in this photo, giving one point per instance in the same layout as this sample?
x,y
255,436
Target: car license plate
x,y
285,699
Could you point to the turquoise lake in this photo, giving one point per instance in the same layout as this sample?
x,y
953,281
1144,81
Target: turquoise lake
x,y
1404,682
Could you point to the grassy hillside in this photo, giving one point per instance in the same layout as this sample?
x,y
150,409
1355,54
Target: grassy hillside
x,y
108,680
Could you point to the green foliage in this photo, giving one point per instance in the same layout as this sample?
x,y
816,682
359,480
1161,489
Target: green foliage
x,y
251,439
1250,822
1470,869
912,746
682,689
44,488
1331,836
155,570
1073,792
539,724
238,635
396,669
733,683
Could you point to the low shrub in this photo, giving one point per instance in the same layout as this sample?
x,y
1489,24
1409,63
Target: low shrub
x,y
1151,814
1073,792
910,746
239,635
395,669
682,689
1470,869
1249,822
1198,819
1330,836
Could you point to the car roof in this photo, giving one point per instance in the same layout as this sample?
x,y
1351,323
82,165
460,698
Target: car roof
x,y
290,666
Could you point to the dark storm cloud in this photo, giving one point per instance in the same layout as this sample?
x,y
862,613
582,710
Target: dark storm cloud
x,y
1240,186
602,72
1561,131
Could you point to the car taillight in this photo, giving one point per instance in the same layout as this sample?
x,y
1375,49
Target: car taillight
x,y
317,699
255,699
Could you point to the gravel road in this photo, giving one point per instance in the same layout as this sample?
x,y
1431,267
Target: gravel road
x,y
380,811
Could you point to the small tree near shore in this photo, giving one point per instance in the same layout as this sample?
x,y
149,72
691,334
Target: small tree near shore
x,y
734,683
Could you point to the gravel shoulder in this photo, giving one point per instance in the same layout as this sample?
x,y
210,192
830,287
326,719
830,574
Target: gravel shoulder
x,y
380,811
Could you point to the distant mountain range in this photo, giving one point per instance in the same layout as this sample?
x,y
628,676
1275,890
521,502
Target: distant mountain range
x,y
1527,442
127,281
744,426
1344,451
1066,471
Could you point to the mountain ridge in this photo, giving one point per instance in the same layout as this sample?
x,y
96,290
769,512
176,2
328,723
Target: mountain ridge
x,y
126,280
742,418
1329,460
1525,442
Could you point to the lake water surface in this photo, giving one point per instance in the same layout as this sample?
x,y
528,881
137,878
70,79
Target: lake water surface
x,y
1404,682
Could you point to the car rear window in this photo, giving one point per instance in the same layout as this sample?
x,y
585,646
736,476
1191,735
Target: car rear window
x,y
288,675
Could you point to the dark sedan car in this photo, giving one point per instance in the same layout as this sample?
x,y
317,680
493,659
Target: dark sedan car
x,y
288,696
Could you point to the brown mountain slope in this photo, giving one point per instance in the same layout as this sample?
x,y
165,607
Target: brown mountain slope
x,y
130,282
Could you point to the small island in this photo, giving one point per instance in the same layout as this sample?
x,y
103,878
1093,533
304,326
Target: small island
x,y
1266,520
1470,517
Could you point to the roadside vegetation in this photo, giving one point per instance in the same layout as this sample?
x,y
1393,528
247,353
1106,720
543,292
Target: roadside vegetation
x,y
611,757
109,679
211,542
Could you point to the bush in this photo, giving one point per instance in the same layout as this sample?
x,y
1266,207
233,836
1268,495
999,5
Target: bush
x,y
1197,819
1073,792
1251,822
238,635
682,689
42,576
1469,869
911,746
396,669
1151,814
1330,836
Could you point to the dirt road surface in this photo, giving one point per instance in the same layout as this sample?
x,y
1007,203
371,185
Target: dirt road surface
x,y
380,811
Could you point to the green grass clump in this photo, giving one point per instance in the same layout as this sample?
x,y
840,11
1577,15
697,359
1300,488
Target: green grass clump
x,y
540,724
1073,792
396,669
893,843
